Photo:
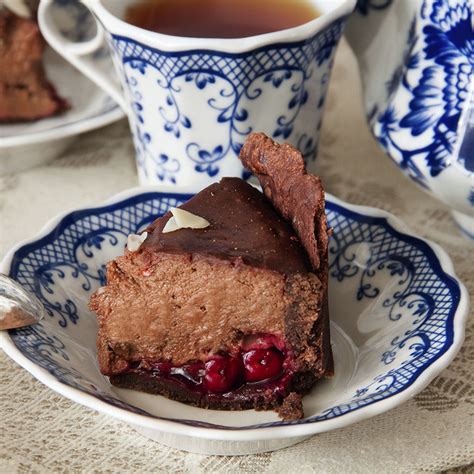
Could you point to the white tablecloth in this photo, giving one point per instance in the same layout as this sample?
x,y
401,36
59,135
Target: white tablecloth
x,y
42,431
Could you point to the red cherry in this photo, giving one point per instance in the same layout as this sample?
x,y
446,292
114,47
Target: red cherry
x,y
222,373
262,341
262,364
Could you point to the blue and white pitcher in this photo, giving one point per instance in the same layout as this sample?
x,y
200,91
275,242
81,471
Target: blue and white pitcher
x,y
416,59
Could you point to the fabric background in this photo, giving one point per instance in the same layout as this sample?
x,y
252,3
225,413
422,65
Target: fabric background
x,y
44,432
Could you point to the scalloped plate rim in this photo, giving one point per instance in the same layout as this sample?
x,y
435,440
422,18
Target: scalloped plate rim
x,y
264,433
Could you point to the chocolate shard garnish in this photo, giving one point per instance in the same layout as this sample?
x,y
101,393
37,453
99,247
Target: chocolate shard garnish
x,y
297,195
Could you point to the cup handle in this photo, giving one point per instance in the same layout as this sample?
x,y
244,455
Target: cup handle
x,y
76,53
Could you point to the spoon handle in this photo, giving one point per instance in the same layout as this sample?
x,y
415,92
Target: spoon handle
x,y
18,307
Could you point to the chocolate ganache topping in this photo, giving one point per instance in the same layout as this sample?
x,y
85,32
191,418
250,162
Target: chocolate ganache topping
x,y
243,226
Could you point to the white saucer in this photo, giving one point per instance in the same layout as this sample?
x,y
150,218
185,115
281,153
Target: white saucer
x,y
397,311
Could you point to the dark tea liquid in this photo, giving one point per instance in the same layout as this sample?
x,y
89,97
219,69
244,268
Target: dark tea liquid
x,y
219,18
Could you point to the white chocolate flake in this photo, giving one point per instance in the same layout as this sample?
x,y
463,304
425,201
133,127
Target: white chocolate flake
x,y
134,241
170,226
184,220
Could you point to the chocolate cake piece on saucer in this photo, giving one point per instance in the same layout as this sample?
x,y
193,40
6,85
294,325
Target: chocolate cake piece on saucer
x,y
224,305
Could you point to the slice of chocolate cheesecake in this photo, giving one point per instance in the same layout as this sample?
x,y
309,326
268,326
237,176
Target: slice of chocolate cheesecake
x,y
25,92
231,315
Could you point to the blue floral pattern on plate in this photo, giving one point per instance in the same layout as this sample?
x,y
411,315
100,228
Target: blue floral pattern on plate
x,y
398,276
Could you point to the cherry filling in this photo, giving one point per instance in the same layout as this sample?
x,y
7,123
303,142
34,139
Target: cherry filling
x,y
223,373
261,362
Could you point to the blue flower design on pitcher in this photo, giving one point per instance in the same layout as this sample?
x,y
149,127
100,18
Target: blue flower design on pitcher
x,y
427,94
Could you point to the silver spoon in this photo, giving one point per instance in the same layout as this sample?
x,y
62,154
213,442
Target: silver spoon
x,y
18,307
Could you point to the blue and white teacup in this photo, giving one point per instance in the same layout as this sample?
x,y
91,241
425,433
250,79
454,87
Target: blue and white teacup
x,y
191,102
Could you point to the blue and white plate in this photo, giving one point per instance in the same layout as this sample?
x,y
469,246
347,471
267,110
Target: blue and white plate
x,y
397,311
